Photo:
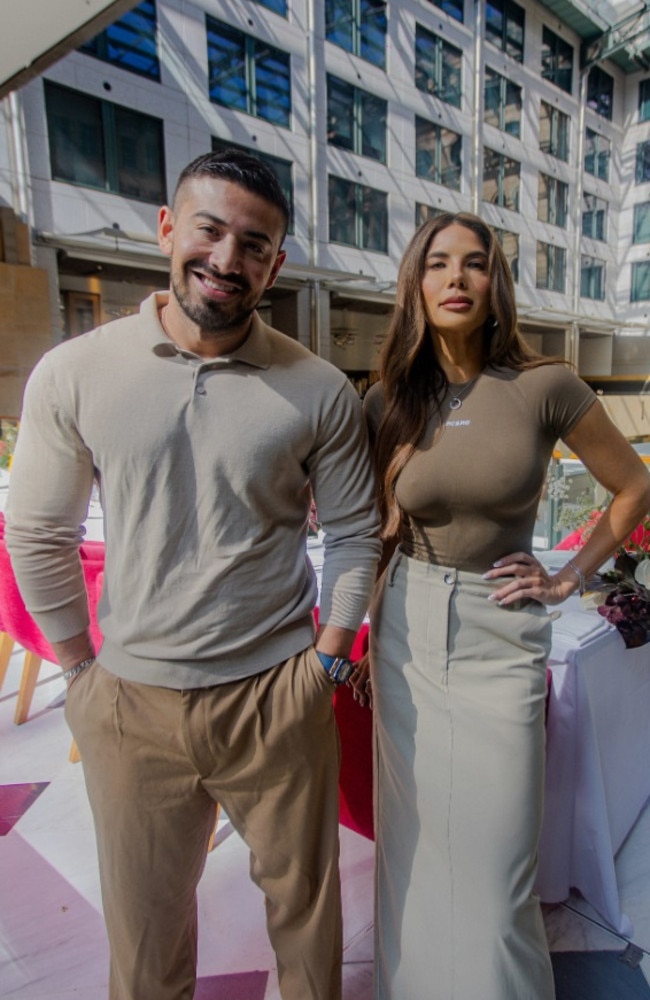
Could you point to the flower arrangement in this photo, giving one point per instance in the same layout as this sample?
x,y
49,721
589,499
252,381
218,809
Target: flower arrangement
x,y
627,600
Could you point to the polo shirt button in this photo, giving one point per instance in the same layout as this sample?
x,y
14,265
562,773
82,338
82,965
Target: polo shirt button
x,y
449,579
201,390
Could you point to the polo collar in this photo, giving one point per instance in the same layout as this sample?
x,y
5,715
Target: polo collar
x,y
255,351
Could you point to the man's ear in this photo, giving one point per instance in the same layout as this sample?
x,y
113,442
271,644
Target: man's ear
x,y
165,229
275,270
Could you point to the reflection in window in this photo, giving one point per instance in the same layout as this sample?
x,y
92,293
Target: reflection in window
x,y
356,120
597,154
452,7
358,215
437,66
551,267
642,222
553,131
130,42
557,60
510,245
600,92
643,162
358,26
438,153
98,144
594,217
278,6
640,288
502,103
552,200
283,170
644,101
504,27
501,180
592,278
425,212
247,74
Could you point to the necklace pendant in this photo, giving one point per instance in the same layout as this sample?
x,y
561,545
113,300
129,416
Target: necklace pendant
x,y
455,403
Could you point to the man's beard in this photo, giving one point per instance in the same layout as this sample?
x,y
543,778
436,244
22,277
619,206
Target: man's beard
x,y
211,317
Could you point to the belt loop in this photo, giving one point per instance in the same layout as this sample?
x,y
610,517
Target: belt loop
x,y
397,558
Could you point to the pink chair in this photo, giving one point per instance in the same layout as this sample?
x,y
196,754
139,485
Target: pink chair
x,y
17,624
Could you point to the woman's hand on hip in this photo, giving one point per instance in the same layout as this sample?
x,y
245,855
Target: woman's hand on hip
x,y
527,579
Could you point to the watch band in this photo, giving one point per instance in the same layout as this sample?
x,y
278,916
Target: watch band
x,y
339,668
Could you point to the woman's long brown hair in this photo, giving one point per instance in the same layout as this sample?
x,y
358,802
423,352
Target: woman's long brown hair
x,y
411,376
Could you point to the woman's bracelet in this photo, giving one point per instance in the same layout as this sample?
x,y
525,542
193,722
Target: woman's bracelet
x,y
69,674
581,577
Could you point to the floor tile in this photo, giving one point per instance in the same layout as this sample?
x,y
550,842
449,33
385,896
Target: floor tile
x,y
15,800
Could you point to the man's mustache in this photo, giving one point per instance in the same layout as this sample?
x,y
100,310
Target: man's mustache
x,y
209,272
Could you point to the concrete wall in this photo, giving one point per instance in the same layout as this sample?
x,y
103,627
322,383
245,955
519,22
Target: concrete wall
x,y
25,320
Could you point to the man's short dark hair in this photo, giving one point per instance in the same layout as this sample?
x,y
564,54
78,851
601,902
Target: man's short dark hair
x,y
241,168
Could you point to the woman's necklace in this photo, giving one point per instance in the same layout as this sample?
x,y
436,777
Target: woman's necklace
x,y
456,401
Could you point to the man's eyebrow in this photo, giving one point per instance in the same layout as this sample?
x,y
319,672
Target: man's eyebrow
x,y
216,221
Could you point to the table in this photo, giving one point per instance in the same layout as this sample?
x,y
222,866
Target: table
x,y
597,768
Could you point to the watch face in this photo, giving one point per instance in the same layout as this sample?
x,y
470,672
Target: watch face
x,y
344,670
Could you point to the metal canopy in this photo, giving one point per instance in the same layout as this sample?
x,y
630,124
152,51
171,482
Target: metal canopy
x,y
620,32
37,33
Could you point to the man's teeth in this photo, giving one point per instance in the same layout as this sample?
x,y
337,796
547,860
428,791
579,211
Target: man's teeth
x,y
217,285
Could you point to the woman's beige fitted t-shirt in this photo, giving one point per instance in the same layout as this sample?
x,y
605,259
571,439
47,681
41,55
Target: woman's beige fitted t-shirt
x,y
470,491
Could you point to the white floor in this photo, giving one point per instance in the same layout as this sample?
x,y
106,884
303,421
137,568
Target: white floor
x,y
52,942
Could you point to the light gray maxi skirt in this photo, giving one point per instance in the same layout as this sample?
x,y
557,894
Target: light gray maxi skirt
x,y
459,692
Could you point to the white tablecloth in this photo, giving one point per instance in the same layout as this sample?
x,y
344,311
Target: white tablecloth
x,y
598,761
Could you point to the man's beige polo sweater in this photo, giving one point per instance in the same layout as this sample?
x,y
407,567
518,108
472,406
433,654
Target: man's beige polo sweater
x,y
205,469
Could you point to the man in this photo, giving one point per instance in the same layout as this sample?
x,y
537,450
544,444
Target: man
x,y
207,431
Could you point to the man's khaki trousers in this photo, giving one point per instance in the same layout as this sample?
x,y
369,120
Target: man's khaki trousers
x,y
156,761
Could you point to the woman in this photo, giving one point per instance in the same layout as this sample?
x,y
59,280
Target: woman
x,y
463,423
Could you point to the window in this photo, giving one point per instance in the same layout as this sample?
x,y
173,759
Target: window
x,y
358,215
452,7
642,223
552,200
283,170
597,154
643,162
502,103
247,74
594,217
509,243
356,120
554,131
551,267
437,67
644,101
277,6
504,27
101,145
129,42
640,289
592,278
358,26
425,212
438,154
557,60
600,92
501,180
